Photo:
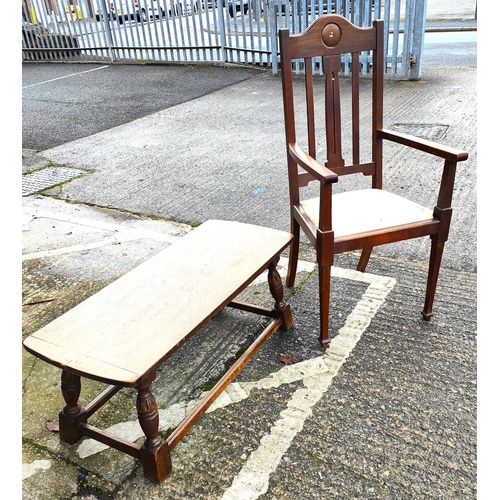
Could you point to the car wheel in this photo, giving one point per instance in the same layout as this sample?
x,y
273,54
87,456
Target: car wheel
x,y
144,16
231,12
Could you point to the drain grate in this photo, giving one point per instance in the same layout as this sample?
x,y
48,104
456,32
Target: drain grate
x,y
429,131
47,178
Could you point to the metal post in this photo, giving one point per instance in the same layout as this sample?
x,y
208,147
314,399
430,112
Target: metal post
x,y
274,34
417,40
222,30
107,29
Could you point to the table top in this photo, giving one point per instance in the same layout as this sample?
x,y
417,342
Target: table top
x,y
135,323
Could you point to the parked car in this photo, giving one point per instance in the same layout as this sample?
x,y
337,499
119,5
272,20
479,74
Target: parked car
x,y
125,10
234,6
152,8
142,10
177,7
321,6
99,14
133,10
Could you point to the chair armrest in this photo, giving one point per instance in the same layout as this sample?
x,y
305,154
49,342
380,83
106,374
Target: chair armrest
x,y
308,163
423,145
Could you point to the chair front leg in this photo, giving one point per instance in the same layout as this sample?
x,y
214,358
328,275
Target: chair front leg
x,y
324,304
325,263
439,239
437,248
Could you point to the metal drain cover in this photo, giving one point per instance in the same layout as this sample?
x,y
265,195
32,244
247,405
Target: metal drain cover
x,y
47,178
429,131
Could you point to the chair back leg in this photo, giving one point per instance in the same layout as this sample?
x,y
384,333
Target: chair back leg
x,y
365,257
293,255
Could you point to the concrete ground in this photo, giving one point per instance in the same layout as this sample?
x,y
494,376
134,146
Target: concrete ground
x,y
388,411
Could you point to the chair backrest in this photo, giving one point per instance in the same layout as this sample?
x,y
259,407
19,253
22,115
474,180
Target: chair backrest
x,y
327,39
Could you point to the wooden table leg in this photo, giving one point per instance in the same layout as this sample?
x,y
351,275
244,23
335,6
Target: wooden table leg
x,y
72,414
276,288
155,454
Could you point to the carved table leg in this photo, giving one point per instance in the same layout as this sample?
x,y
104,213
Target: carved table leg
x,y
72,414
155,455
276,288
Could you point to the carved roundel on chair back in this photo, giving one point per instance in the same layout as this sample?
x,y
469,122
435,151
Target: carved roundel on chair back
x,y
331,35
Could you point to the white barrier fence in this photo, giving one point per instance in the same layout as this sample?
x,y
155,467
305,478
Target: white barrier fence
x,y
218,31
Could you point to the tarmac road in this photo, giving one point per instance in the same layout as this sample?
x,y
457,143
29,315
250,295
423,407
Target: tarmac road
x,y
64,102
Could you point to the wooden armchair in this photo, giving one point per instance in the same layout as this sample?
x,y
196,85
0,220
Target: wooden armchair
x,y
363,218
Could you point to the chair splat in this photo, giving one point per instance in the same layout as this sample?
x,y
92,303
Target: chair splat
x,y
332,66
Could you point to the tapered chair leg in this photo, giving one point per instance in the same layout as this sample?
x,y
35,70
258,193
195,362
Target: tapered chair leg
x,y
293,256
437,248
365,257
324,303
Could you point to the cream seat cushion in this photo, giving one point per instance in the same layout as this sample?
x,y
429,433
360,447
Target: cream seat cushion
x,y
364,210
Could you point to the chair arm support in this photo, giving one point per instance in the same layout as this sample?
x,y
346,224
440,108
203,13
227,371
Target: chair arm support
x,y
423,145
308,163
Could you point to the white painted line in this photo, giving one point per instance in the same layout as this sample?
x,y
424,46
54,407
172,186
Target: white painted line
x,y
253,479
66,76
316,373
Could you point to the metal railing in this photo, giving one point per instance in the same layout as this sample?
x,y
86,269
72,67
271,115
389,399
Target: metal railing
x,y
214,31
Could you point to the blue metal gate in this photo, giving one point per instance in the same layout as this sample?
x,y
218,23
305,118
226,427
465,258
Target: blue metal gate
x,y
214,31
